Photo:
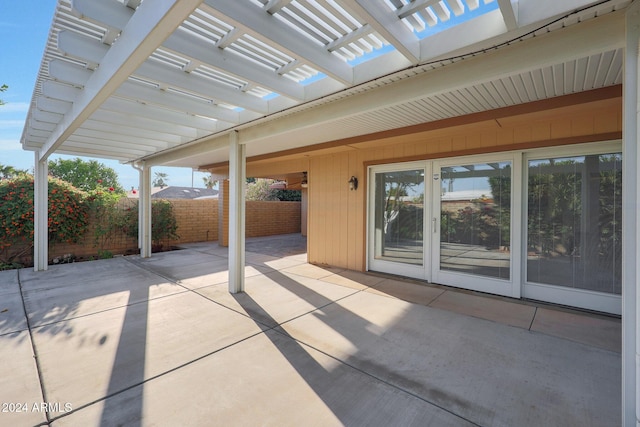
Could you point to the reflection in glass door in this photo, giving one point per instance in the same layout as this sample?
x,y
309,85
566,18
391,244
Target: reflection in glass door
x,y
398,222
574,232
475,216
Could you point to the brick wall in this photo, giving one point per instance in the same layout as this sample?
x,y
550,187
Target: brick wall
x,y
271,218
197,222
262,218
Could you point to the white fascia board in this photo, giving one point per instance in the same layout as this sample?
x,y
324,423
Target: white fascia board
x,y
103,151
123,119
466,34
386,23
175,78
152,22
112,14
604,33
109,156
537,11
37,125
123,147
230,63
509,14
242,13
205,146
60,91
379,66
38,134
280,103
147,94
68,72
324,87
46,116
132,133
82,48
52,105
120,105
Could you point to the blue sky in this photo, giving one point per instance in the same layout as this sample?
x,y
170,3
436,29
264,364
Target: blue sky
x,y
24,27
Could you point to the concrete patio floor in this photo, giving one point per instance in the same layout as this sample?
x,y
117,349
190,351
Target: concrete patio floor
x,y
160,341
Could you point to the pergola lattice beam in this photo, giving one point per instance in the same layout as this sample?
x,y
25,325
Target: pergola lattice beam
x,y
200,51
178,79
145,31
171,108
508,14
388,25
114,15
268,28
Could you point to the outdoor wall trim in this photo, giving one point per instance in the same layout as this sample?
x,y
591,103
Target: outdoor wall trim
x,y
237,172
631,223
572,140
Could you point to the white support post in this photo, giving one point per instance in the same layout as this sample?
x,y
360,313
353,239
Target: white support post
x,y
237,168
40,214
144,212
631,224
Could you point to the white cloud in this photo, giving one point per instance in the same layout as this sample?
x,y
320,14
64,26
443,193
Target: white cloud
x,y
11,124
14,107
10,145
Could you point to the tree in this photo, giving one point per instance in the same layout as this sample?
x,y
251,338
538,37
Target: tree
x,y
160,180
9,172
86,175
2,89
260,189
209,182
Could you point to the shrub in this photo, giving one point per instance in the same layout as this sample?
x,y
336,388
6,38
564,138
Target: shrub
x,y
108,219
164,225
68,215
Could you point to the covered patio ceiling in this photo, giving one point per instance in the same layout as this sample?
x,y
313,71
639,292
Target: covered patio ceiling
x,y
165,81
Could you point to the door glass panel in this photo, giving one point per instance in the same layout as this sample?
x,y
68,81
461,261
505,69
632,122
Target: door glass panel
x,y
399,216
574,222
475,219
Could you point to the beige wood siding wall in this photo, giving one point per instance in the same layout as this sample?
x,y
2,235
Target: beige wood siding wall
x,y
337,215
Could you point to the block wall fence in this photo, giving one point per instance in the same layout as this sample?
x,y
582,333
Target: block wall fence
x,y
198,221
262,218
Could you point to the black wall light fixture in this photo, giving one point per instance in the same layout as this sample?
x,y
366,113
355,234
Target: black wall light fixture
x,y
353,183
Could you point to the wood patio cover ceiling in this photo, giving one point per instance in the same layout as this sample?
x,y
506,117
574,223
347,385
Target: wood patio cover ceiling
x,y
166,80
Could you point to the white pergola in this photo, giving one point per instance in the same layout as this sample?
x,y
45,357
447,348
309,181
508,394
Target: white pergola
x,y
195,82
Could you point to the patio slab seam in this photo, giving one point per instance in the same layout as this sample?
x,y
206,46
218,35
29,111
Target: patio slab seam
x,y
161,374
370,375
33,348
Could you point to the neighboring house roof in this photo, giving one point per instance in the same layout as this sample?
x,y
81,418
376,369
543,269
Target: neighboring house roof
x,y
178,193
467,195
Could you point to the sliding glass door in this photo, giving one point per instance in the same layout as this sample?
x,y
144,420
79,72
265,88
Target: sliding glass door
x,y
474,209
544,224
397,215
574,230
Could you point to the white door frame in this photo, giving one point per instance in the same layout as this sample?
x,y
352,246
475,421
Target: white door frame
x,y
517,286
582,298
419,272
507,287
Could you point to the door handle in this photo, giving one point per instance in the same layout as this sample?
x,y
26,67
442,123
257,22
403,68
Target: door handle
x,y
435,224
